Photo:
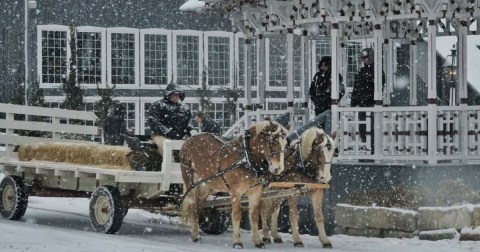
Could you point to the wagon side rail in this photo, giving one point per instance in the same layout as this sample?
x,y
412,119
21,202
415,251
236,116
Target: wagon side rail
x,y
170,166
27,124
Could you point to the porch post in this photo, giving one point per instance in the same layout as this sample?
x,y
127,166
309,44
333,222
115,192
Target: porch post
x,y
413,73
305,78
378,91
290,74
432,92
248,82
336,59
462,88
261,75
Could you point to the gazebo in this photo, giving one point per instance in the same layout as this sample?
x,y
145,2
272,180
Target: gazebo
x,y
424,130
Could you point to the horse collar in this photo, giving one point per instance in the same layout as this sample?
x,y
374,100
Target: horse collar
x,y
248,155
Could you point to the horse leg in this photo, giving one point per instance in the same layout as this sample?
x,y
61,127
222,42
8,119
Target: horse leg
x,y
254,197
274,220
236,218
292,202
317,199
190,210
265,211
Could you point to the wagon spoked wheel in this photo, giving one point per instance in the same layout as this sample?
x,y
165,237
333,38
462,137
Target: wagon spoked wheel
x,y
213,221
14,197
106,210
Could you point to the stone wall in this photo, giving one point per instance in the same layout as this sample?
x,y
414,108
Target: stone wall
x,y
430,223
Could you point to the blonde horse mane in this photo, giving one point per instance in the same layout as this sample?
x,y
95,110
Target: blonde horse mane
x,y
263,124
307,141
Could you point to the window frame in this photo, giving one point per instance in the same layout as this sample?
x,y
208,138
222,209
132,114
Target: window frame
x,y
155,31
192,33
103,32
40,29
123,30
219,34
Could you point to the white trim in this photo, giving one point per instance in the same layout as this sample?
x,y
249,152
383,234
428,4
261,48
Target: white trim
x,y
168,33
199,34
230,36
41,28
123,30
103,32
237,37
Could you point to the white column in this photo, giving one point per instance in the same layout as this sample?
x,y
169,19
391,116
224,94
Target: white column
x,y
248,82
305,77
432,92
337,56
26,52
462,89
290,75
378,90
261,76
413,73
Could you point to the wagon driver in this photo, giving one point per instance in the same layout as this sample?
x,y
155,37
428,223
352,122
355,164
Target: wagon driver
x,y
169,118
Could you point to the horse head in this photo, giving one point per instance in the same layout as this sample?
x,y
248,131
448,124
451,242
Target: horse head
x,y
267,142
317,150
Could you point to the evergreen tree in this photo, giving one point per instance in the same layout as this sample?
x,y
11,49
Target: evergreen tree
x,y
38,98
106,103
18,90
205,101
73,92
231,104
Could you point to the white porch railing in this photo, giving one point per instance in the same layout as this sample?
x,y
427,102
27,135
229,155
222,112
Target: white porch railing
x,y
402,133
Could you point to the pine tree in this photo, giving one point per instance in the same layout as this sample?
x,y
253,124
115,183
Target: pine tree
x,y
73,92
38,98
231,104
106,103
205,101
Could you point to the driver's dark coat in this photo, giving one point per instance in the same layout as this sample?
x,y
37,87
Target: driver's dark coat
x,y
168,119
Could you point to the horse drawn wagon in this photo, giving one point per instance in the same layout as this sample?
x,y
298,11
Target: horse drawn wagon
x,y
112,190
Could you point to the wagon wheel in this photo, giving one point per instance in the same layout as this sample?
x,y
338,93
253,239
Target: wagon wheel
x,y
213,221
106,210
14,197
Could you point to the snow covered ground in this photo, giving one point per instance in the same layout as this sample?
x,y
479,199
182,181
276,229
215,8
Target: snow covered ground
x,y
62,224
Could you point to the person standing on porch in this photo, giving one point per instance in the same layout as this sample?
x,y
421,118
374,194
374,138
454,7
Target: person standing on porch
x,y
169,118
363,90
321,94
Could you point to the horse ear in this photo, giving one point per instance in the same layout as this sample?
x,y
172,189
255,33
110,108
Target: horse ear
x,y
287,127
334,135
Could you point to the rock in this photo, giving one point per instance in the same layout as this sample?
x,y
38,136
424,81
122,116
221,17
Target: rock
x,y
469,234
391,219
350,216
476,216
434,218
367,232
398,234
435,235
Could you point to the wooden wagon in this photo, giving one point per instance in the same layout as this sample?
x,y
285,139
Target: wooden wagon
x,y
111,192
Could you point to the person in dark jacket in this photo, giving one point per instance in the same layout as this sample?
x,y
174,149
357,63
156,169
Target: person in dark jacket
x,y
114,126
363,90
207,124
169,118
320,88
321,94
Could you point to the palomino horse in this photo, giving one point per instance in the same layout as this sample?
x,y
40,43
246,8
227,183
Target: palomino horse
x,y
307,160
210,165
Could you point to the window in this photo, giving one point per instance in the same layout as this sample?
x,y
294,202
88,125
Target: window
x,y
277,58
219,51
242,68
156,57
53,54
123,57
187,55
91,56
353,50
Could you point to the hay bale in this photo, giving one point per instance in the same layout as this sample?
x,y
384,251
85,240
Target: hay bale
x,y
106,156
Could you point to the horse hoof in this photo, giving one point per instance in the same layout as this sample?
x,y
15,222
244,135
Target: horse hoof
x,y
238,245
277,240
298,244
327,245
195,239
260,245
267,240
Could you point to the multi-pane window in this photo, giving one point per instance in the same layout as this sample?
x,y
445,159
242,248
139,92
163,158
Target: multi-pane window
x,y
354,63
54,56
123,56
129,115
252,67
322,49
188,59
155,59
277,62
276,106
218,61
89,57
297,61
